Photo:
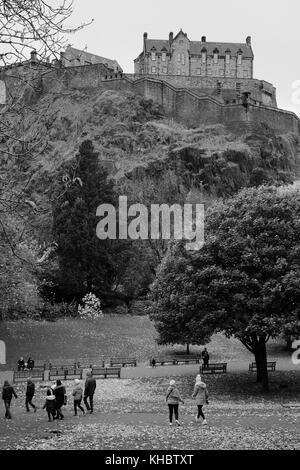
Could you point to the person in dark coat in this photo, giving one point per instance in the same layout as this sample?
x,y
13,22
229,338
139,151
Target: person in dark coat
x,y
50,405
89,390
21,364
205,358
59,393
30,391
7,393
30,363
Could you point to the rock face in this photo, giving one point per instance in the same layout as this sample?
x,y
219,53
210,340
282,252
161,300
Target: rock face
x,y
151,158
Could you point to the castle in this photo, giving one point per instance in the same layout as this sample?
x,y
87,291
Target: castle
x,y
180,56
195,82
220,69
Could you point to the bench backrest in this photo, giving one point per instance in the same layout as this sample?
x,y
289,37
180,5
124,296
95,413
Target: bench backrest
x,y
61,372
26,374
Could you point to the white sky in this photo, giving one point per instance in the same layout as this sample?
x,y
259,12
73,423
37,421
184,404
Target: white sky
x,y
273,25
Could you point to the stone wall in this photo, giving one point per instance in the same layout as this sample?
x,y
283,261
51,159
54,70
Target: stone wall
x,y
194,110
227,88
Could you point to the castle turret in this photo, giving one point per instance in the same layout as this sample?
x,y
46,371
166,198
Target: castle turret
x,y
33,56
145,39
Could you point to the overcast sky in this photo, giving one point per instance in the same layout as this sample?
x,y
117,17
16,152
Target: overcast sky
x,y
273,25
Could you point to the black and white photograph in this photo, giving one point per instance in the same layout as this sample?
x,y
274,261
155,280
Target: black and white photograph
x,y
149,228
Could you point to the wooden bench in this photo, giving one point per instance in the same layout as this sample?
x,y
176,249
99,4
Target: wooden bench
x,y
218,367
164,362
73,365
122,361
90,366
24,375
194,360
271,366
106,372
65,373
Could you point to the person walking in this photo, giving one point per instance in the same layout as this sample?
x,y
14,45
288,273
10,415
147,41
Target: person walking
x,y
205,358
30,391
153,362
89,390
77,394
173,399
50,405
201,395
7,393
60,394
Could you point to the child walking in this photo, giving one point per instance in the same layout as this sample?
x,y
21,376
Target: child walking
x,y
173,399
201,395
77,394
50,405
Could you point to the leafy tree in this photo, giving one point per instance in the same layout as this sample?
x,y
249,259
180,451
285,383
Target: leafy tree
x,y
85,262
244,281
173,310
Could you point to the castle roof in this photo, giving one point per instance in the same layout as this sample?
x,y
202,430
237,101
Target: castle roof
x,y
72,53
196,47
234,48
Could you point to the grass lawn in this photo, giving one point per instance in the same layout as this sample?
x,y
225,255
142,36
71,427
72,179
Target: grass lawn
x,y
132,414
114,335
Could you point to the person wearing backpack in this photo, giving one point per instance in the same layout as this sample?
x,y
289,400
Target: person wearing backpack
x,y
77,394
200,394
173,399
50,405
60,398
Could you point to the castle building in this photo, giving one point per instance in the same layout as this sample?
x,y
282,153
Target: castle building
x,y
180,56
72,57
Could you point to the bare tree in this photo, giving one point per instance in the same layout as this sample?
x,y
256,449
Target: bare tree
x,y
34,24
25,25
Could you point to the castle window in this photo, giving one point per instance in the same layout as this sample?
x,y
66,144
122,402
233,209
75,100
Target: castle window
x,y
227,58
163,56
182,59
216,56
165,70
245,74
178,72
153,56
198,71
239,60
203,57
153,69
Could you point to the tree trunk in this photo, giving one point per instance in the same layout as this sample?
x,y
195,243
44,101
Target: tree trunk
x,y
260,353
187,348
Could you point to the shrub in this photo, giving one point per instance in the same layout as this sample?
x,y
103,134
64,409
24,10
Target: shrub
x,y
91,308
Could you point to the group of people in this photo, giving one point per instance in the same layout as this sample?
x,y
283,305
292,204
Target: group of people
x,y
22,365
173,398
56,397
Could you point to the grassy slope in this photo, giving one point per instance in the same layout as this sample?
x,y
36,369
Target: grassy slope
x,y
116,335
